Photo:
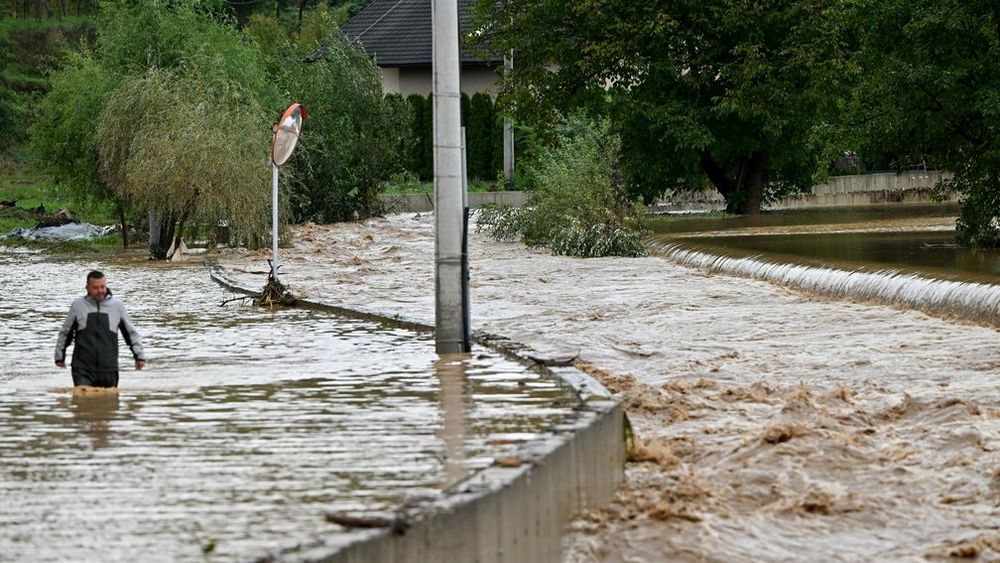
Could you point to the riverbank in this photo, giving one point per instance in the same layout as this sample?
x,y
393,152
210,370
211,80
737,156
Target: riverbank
x,y
772,425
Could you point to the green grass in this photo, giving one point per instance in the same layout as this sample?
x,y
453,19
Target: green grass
x,y
30,189
407,184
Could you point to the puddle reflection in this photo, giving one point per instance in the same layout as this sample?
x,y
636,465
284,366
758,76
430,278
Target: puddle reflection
x,y
455,402
93,409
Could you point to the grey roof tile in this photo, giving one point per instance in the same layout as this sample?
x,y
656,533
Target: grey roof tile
x,y
398,33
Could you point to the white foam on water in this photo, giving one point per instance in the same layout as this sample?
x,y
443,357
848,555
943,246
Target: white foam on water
x,y
977,302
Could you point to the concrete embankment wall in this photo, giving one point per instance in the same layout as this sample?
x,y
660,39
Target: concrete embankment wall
x,y
869,189
501,513
837,191
421,203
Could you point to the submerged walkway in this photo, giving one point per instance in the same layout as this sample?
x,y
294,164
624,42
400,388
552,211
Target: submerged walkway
x,y
773,425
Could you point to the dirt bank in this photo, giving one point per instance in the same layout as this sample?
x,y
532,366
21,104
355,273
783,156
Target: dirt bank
x,y
772,426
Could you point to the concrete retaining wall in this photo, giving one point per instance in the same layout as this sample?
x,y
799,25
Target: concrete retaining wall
x,y
502,514
837,191
422,203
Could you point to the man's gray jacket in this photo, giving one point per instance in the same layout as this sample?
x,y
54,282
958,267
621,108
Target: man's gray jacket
x,y
95,325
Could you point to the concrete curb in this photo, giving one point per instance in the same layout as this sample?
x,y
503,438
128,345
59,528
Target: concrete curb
x,y
512,514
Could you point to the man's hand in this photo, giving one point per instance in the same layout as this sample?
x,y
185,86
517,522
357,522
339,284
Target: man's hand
x,y
61,363
139,364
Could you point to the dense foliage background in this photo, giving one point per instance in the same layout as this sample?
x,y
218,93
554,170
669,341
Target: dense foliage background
x,y
755,99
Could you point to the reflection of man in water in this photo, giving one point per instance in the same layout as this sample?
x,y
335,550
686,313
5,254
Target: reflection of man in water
x,y
93,409
94,321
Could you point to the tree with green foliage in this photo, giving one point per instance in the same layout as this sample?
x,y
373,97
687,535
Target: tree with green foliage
x,y
183,37
415,161
479,132
355,135
719,91
176,143
294,14
928,87
11,127
63,141
580,205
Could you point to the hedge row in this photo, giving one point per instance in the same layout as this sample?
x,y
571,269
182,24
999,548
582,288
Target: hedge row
x,y
483,133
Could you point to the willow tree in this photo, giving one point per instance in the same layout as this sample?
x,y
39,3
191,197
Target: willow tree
x,y
170,141
714,91
136,40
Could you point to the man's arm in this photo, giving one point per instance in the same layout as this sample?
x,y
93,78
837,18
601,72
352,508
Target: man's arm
x,y
132,338
66,334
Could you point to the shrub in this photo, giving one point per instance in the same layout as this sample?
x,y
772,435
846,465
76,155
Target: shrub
x,y
503,222
353,137
580,205
979,220
479,132
421,137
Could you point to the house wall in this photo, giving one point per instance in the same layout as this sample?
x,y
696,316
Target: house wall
x,y
390,80
408,81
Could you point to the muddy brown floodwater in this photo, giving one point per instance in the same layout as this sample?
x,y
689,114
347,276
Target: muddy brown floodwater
x,y
773,424
246,427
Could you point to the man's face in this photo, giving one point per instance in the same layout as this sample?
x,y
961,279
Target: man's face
x,y
97,288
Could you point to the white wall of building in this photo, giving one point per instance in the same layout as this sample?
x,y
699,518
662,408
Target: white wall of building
x,y
390,80
408,81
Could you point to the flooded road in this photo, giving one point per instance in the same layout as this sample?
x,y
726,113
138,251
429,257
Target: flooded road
x,y
245,428
774,426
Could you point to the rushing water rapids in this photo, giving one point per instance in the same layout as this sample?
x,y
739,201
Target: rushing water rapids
x,y
903,257
246,427
779,427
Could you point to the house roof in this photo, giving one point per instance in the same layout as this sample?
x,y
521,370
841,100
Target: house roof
x,y
398,33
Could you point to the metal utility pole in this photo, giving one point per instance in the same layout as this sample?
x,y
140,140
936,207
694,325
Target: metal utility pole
x,y
508,132
450,331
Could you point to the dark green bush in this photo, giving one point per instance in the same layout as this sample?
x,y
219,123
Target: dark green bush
x,y
353,137
420,137
979,221
479,132
483,137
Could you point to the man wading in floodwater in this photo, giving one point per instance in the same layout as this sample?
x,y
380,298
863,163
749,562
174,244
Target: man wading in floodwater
x,y
94,321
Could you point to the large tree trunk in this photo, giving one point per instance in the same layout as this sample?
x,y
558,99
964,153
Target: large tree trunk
x,y
717,175
744,194
166,235
186,214
754,181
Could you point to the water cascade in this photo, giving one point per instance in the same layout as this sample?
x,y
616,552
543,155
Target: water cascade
x,y
976,302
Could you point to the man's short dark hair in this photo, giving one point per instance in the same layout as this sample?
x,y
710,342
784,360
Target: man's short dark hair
x,y
94,275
